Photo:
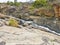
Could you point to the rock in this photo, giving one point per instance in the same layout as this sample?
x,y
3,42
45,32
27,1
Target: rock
x,y
22,21
2,16
2,43
1,23
24,35
28,23
11,9
52,24
7,23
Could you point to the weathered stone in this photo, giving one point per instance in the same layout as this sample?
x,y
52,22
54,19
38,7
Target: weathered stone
x,y
2,43
24,35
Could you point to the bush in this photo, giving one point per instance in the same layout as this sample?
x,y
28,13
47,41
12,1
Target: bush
x,y
15,3
40,3
13,22
10,3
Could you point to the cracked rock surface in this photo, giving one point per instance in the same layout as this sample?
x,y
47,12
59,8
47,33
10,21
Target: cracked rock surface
x,y
17,36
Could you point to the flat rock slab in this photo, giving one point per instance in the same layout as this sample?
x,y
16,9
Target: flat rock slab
x,y
18,36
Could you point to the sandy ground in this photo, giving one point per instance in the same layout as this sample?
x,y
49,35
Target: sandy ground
x,y
24,35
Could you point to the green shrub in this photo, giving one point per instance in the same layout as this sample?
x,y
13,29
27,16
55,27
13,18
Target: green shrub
x,y
13,22
40,3
10,3
15,3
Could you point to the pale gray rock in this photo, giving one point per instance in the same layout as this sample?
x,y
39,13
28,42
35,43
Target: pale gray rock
x,y
2,43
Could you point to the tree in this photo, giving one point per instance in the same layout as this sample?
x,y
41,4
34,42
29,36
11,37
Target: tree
x,y
40,3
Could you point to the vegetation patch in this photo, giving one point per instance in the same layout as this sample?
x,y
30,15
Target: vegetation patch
x,y
13,22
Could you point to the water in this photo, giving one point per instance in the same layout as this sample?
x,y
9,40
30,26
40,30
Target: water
x,y
45,29
52,28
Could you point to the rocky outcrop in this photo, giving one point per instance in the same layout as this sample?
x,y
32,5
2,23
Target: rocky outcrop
x,y
50,23
24,35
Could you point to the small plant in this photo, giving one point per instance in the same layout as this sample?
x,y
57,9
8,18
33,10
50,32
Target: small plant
x,y
13,22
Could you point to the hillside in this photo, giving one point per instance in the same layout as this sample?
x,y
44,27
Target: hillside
x,y
35,23
27,33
